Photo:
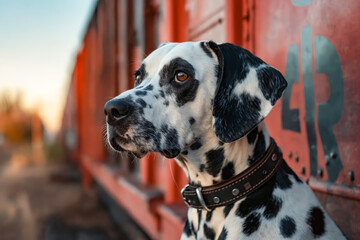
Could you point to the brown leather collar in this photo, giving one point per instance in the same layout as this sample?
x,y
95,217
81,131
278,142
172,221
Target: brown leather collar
x,y
237,187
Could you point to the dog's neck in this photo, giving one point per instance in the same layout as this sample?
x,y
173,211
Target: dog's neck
x,y
209,161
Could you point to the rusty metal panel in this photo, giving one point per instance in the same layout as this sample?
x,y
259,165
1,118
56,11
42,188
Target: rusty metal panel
x,y
313,42
206,20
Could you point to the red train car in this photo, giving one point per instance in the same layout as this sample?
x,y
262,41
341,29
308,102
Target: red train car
x,y
312,42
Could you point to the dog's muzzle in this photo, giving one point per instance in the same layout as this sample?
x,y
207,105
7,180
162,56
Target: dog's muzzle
x,y
118,114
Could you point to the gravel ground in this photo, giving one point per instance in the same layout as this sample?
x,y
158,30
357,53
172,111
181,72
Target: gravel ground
x,y
46,201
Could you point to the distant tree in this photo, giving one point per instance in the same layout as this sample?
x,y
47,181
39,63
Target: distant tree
x,y
16,122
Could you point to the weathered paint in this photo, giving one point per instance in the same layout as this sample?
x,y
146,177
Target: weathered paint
x,y
316,125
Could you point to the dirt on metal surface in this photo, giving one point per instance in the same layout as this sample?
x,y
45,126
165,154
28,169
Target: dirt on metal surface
x,y
46,201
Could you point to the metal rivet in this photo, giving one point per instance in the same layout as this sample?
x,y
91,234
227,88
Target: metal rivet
x,y
320,172
264,172
332,155
296,157
216,200
290,154
235,191
351,175
327,162
274,157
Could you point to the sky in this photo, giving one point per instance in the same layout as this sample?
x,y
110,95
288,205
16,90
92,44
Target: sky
x,y
39,40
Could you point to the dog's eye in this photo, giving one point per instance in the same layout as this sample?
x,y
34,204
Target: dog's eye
x,y
137,79
181,76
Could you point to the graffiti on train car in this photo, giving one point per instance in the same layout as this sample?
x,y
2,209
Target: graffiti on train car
x,y
327,62
301,2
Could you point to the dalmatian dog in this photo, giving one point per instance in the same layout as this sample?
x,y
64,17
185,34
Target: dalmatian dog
x,y
203,104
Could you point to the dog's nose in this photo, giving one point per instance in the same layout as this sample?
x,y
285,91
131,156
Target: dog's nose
x,y
116,110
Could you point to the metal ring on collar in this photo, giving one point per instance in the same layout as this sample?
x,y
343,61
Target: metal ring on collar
x,y
201,199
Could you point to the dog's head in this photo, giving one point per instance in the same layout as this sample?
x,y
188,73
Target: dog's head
x,y
184,90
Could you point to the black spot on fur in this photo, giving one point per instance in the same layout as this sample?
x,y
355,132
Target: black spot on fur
x,y
223,234
230,125
185,152
148,129
191,121
202,167
150,106
184,92
251,224
214,161
251,160
290,172
168,72
162,94
271,82
196,145
206,50
282,179
208,216
228,171
195,184
156,96
228,208
272,207
193,230
209,232
172,147
287,227
149,87
166,103
141,102
316,221
199,213
256,199
187,229
251,137
259,149
140,93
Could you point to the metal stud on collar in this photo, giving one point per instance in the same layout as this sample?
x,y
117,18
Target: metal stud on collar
x,y
235,191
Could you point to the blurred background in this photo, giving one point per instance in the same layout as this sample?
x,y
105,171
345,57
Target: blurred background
x,y
60,61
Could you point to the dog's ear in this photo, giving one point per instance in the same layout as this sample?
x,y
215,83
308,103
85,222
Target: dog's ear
x,y
247,89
